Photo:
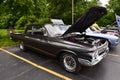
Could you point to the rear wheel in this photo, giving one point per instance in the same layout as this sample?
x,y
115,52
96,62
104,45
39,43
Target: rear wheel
x,y
22,46
70,63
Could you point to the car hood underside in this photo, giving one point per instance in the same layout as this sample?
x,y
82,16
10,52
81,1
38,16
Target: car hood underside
x,y
87,19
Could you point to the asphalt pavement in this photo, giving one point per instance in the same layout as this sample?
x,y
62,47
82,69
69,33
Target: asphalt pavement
x,y
18,65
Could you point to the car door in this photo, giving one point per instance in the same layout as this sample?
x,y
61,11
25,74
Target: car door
x,y
54,45
41,43
33,37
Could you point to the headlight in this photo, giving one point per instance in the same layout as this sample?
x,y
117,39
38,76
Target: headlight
x,y
94,54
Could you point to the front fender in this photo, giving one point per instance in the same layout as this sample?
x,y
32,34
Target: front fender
x,y
65,51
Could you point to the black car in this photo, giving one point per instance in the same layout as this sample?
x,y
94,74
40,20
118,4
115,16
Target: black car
x,y
69,44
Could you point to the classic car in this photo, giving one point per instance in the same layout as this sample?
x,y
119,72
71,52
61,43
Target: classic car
x,y
111,38
68,44
112,28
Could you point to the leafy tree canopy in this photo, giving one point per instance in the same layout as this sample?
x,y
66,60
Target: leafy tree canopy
x,y
18,13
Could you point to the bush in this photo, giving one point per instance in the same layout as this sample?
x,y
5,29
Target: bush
x,y
5,39
107,19
24,20
44,20
7,21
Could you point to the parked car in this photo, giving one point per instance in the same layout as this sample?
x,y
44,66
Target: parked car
x,y
67,44
112,28
111,38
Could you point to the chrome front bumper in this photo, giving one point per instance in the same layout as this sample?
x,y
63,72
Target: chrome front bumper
x,y
94,60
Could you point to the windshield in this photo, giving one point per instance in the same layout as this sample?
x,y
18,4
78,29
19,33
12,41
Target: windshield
x,y
54,30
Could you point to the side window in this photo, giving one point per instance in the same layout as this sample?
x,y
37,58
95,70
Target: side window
x,y
35,30
29,30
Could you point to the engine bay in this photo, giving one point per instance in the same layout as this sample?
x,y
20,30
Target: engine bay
x,y
82,38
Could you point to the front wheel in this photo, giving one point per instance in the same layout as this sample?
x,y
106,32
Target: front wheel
x,y
70,63
22,46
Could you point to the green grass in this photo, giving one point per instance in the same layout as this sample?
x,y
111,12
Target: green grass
x,y
5,39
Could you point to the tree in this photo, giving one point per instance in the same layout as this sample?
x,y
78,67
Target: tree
x,y
21,12
114,6
61,9
21,9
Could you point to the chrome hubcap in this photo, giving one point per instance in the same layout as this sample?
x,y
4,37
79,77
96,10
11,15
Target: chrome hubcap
x,y
70,63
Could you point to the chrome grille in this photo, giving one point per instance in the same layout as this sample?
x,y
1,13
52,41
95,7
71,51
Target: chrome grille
x,y
101,51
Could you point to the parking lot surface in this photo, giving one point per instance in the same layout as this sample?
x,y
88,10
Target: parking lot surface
x,y
18,65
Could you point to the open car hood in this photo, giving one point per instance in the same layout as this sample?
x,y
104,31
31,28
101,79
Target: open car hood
x,y
87,19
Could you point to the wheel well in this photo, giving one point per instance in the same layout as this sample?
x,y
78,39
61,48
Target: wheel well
x,y
65,51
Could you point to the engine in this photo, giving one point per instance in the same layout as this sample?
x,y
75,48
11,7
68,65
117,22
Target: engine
x,y
82,38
